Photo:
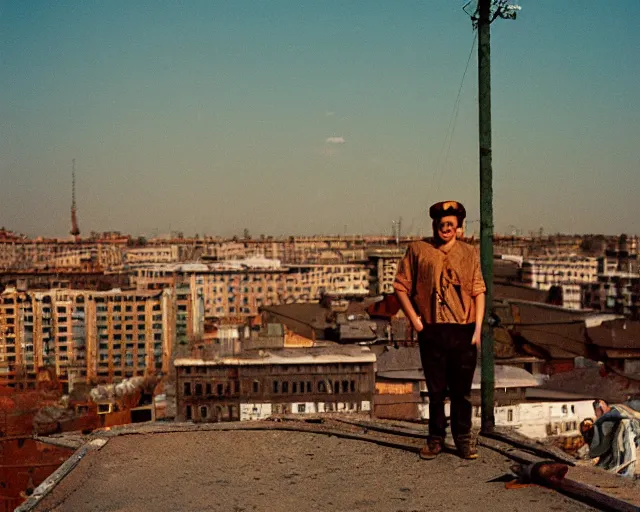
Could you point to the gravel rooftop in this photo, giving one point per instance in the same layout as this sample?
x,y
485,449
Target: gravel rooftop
x,y
285,471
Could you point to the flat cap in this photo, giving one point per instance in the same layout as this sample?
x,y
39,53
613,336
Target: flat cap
x,y
444,208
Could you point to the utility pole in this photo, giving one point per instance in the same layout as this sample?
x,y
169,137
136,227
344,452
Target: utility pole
x,y
486,12
486,208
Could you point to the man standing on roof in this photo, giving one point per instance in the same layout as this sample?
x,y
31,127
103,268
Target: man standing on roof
x,y
441,290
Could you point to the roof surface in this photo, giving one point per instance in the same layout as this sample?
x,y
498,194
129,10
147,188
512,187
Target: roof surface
x,y
315,355
285,471
505,377
620,333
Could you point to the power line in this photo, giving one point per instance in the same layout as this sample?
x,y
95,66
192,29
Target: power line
x,y
452,123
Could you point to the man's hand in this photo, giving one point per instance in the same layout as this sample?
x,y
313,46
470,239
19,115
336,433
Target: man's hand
x,y
477,337
417,324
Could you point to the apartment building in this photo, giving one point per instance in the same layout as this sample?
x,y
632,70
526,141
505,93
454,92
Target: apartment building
x,y
222,250
614,292
227,292
307,283
569,273
152,254
90,336
620,256
295,250
46,254
384,267
545,272
241,287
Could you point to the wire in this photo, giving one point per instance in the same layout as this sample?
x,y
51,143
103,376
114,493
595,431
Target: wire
x,y
452,123
533,324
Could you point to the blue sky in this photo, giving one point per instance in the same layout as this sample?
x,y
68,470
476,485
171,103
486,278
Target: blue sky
x,y
215,116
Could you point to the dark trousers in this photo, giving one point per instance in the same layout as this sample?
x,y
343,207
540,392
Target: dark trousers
x,y
449,361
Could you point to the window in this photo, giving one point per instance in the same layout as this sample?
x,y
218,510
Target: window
x,y
187,389
301,408
309,387
208,388
220,389
204,412
256,386
336,386
275,386
188,412
510,415
198,389
352,386
285,387
294,387
345,386
322,388
236,386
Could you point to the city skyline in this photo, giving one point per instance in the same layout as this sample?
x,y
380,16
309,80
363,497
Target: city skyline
x,y
328,118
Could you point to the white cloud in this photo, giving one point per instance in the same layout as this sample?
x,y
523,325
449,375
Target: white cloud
x,y
329,114
335,140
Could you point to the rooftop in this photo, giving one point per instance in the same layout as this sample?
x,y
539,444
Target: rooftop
x,y
591,382
505,377
617,333
315,355
277,470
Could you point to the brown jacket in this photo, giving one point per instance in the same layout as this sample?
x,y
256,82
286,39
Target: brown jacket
x,y
441,285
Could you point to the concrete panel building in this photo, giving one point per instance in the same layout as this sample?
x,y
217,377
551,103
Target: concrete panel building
x,y
241,287
569,273
89,336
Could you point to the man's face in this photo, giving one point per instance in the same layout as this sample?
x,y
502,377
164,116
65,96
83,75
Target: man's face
x,y
446,228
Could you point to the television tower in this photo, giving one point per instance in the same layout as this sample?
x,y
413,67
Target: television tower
x,y
75,230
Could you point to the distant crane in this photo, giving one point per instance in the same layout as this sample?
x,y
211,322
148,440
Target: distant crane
x,y
75,230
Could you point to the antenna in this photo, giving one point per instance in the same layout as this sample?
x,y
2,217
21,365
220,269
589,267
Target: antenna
x,y
497,9
396,230
75,230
